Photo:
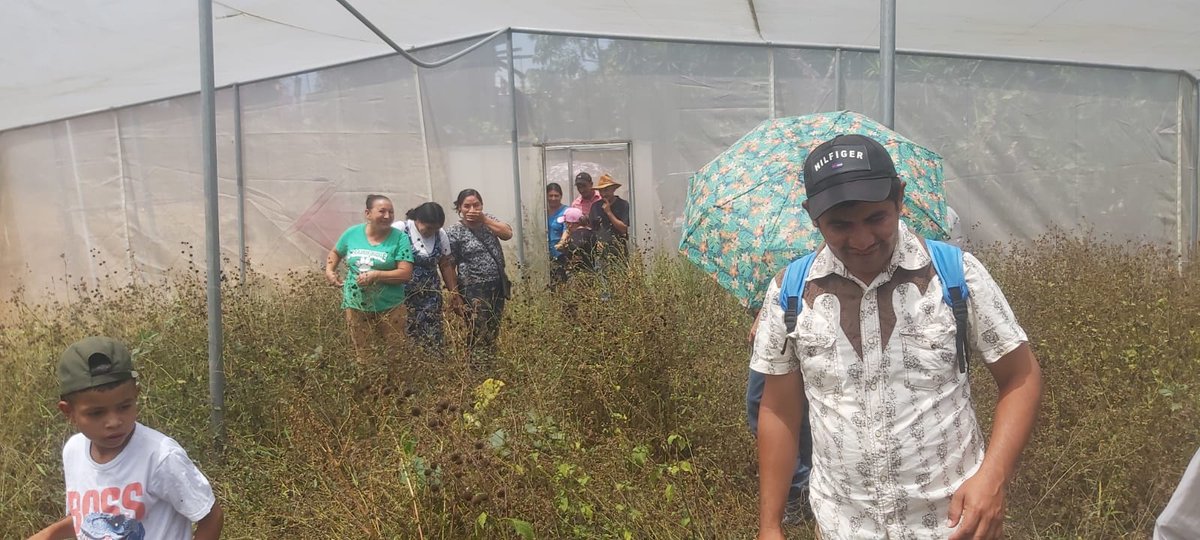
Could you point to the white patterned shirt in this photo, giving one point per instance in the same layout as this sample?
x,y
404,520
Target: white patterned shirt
x,y
893,424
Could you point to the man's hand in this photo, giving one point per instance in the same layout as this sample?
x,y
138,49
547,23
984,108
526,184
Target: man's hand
x,y
977,508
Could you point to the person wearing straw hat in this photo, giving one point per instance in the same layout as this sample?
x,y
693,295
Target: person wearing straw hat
x,y
610,219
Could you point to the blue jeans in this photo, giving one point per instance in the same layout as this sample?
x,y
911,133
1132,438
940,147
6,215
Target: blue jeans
x,y
754,392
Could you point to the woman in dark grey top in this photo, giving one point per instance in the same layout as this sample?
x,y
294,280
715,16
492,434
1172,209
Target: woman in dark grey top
x,y
475,245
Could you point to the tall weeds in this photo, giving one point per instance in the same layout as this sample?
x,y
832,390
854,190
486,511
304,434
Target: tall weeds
x,y
615,409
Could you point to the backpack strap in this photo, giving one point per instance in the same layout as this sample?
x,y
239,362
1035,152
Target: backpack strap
x,y
948,263
791,291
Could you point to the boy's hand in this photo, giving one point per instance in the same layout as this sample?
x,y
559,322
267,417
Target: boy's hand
x,y
63,529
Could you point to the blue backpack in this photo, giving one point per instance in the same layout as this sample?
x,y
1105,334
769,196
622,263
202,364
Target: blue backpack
x,y
947,262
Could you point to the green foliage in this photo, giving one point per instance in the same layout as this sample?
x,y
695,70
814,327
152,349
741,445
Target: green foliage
x,y
615,410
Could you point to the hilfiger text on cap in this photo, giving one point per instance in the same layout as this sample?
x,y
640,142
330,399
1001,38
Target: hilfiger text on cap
x,y
837,154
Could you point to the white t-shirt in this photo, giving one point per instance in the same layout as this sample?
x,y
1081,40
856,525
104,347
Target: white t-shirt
x,y
1181,518
151,490
423,244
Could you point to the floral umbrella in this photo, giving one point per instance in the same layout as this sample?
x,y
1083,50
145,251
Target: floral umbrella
x,y
744,221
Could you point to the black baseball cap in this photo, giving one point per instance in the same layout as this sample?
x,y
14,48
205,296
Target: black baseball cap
x,y
847,168
93,362
583,177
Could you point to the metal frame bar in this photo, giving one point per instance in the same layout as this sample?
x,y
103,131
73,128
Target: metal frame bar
x,y
839,80
771,79
238,163
438,63
632,232
1195,224
129,259
850,48
584,145
208,118
630,37
570,168
516,153
887,61
424,134
1179,243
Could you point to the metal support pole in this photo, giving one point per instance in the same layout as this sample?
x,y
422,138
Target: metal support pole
x,y
1196,171
887,60
839,99
571,173
433,196
379,33
208,117
771,79
516,154
241,181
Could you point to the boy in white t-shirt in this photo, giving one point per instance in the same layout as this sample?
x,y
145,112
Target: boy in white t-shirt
x,y
124,481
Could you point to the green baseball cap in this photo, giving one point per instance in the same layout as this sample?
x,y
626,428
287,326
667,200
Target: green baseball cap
x,y
94,361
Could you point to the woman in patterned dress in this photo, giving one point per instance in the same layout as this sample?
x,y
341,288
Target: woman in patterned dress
x,y
431,255
475,246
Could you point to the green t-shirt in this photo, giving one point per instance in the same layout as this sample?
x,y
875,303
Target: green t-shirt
x,y
361,256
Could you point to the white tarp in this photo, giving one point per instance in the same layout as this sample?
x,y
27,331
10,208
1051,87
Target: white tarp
x,y
1027,146
66,58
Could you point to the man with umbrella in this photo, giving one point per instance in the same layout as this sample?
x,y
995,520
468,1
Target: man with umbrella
x,y
897,449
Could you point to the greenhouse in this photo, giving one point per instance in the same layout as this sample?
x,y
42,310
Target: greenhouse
x,y
1064,114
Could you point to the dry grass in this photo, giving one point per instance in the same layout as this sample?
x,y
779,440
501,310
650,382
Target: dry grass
x,y
620,413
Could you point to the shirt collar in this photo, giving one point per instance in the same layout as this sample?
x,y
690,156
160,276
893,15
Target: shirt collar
x,y
909,254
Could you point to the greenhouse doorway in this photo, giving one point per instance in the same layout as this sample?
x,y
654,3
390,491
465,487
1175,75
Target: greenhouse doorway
x,y
561,162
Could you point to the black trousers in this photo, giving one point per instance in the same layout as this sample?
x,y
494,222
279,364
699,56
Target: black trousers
x,y
485,309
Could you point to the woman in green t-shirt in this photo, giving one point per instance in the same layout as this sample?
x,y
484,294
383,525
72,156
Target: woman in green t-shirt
x,y
379,262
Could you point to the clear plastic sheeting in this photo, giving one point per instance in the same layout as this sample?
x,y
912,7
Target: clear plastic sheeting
x,y
70,58
1028,147
111,197
805,81
679,105
316,145
162,188
468,127
63,206
106,199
